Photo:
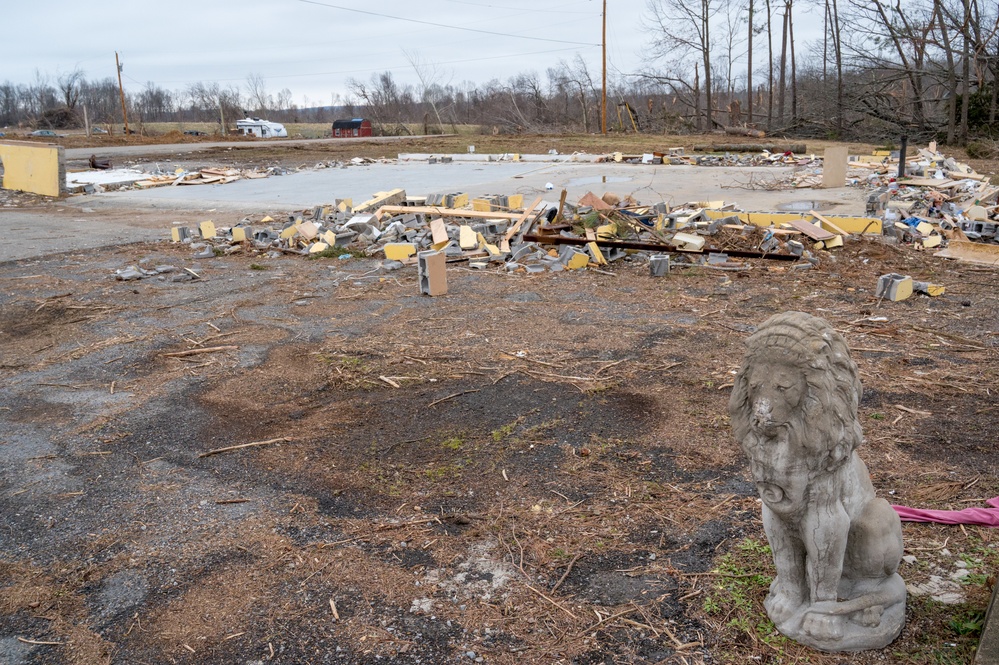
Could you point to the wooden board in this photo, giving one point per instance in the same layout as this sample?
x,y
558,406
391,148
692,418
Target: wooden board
x,y
810,230
834,164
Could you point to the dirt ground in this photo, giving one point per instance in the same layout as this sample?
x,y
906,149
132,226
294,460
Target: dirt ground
x,y
530,469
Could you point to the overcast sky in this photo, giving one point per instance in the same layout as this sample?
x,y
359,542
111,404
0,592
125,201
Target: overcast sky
x,y
312,47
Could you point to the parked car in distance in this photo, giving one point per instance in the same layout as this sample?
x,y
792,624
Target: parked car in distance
x,y
98,130
195,132
46,132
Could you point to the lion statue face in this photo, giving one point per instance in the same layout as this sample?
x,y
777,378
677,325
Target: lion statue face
x,y
775,395
794,403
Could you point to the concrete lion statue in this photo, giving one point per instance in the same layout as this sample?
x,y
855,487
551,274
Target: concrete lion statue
x,y
836,546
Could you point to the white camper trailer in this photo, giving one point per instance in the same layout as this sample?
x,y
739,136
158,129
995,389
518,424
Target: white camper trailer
x,y
262,128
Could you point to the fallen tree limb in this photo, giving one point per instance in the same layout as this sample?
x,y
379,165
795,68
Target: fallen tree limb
x,y
195,352
245,445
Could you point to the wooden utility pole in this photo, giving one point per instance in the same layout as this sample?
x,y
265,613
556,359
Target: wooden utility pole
x,y
603,97
121,91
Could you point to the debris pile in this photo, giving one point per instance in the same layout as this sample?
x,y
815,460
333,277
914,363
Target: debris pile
x,y
543,236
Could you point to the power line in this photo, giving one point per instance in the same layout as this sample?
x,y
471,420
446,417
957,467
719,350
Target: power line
x,y
442,25
521,9
369,69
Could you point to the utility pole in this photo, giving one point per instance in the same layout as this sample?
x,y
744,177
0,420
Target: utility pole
x,y
603,98
121,91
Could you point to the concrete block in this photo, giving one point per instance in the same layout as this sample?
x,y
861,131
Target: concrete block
x,y
398,251
926,288
242,233
318,247
577,260
289,232
308,230
688,241
432,273
534,269
924,228
598,256
932,241
438,231
393,197
835,241
894,287
180,233
467,238
207,229
659,265
795,247
329,238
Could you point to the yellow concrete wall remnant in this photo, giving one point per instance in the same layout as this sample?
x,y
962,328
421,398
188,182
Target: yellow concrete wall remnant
x,y
30,167
399,251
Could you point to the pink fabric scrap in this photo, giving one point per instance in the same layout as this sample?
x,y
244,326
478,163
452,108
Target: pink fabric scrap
x,y
970,516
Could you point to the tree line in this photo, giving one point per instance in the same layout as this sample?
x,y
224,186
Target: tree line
x,y
880,68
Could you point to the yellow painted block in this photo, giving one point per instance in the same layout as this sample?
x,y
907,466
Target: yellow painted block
x,y
865,225
207,229
516,156
618,157
882,153
924,228
290,231
934,290
598,256
438,231
35,168
438,246
516,201
492,249
266,220
578,261
689,241
308,230
932,241
399,251
318,247
175,234
835,241
460,200
607,231
242,233
482,205
466,238
344,204
329,238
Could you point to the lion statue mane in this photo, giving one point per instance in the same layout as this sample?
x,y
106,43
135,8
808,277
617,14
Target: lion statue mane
x,y
836,546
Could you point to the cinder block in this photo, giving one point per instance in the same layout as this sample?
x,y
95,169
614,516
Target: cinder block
x,y
242,233
398,251
598,256
894,287
318,247
689,241
289,232
393,197
329,238
308,230
467,238
932,241
180,233
438,231
659,265
432,273
207,229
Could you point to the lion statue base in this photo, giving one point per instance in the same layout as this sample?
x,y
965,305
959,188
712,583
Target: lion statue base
x,y
836,546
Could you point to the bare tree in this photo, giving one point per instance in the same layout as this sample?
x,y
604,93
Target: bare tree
x,y
256,94
70,85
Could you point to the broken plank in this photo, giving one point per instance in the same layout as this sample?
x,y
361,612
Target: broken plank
x,y
810,230
827,224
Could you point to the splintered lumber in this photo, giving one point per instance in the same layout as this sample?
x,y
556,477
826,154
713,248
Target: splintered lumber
x,y
246,445
512,231
444,212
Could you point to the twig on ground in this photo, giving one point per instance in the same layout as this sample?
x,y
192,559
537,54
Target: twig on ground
x,y
246,445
